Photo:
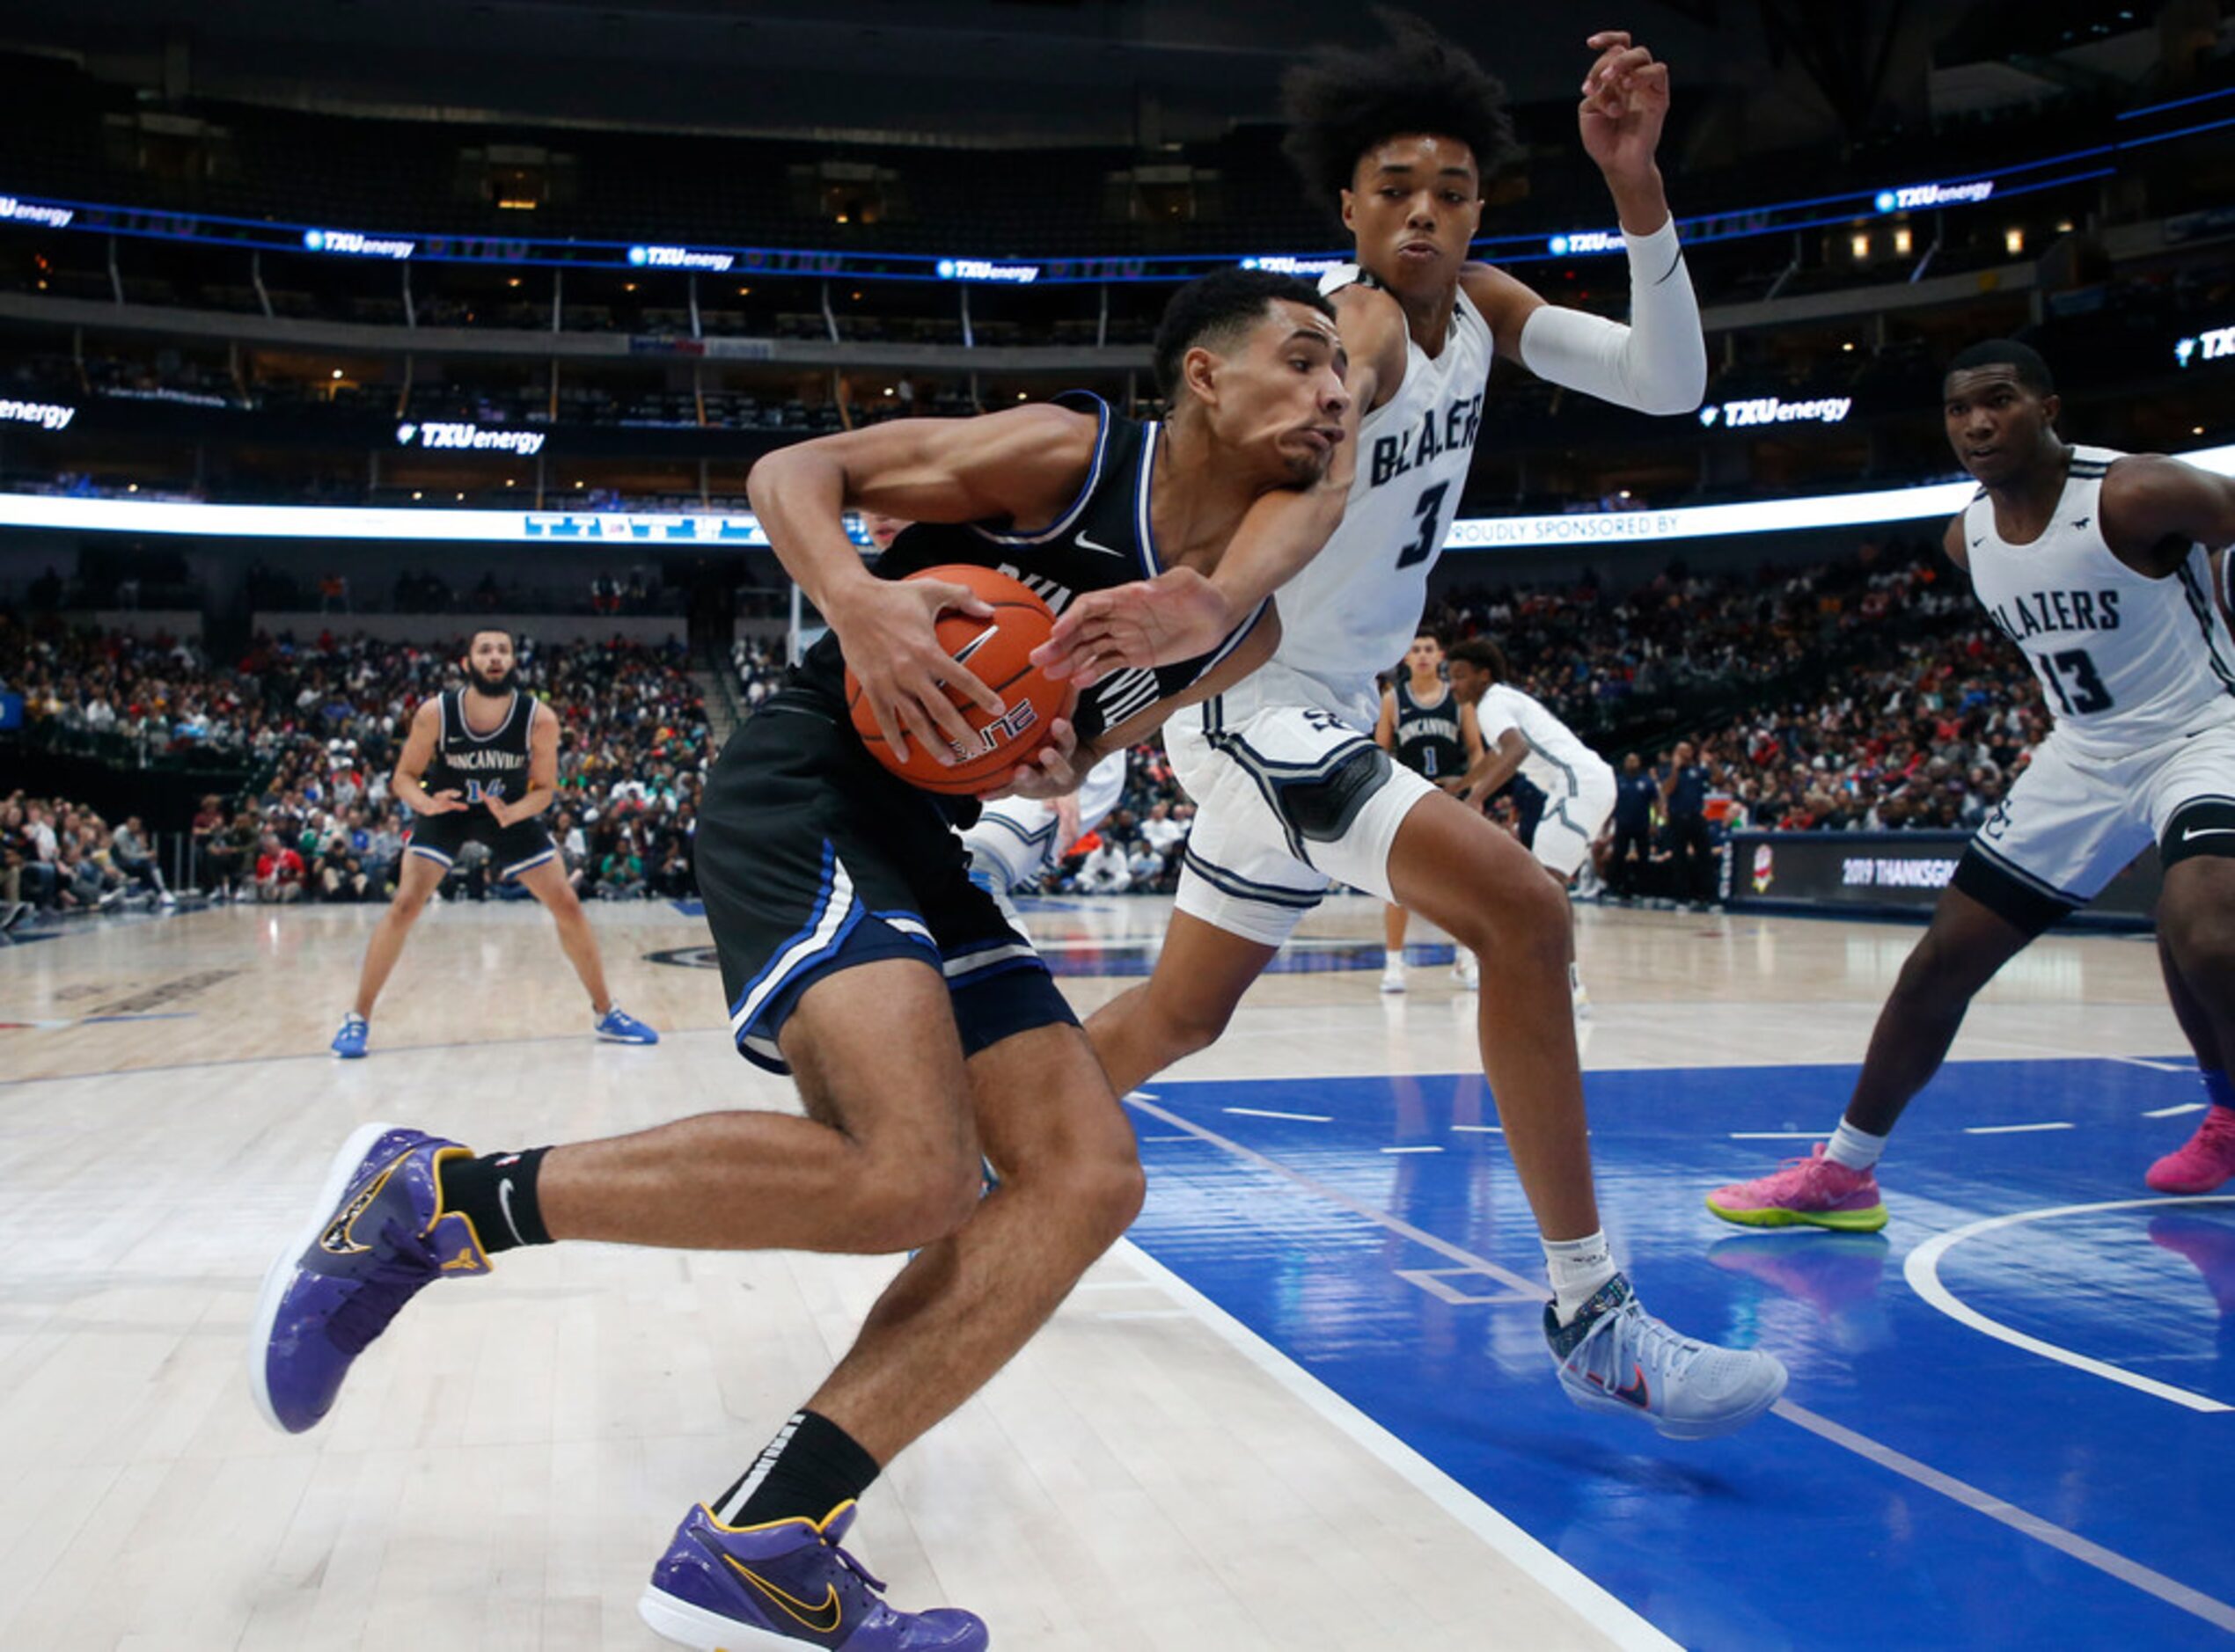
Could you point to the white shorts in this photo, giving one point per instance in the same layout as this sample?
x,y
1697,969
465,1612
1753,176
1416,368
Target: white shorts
x,y
1291,796
1573,822
2074,819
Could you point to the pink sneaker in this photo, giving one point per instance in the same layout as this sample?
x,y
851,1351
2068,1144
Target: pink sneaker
x,y
2207,1160
1811,1192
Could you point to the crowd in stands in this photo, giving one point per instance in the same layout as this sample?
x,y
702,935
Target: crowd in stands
x,y
314,727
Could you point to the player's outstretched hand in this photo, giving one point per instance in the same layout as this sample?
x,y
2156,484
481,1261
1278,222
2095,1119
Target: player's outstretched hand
x,y
887,633
1175,617
500,810
447,802
1054,771
1625,101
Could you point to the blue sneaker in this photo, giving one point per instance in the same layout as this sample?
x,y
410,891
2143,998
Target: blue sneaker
x,y
349,1043
617,1026
378,1236
1614,1357
777,1586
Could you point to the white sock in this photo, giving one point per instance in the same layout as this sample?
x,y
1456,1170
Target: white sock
x,y
1576,1269
1858,1150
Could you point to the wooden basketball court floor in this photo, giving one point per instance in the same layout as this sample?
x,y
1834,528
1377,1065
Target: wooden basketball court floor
x,y
1305,1407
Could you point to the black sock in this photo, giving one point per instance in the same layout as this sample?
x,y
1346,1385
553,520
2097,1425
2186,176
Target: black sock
x,y
810,1468
498,1195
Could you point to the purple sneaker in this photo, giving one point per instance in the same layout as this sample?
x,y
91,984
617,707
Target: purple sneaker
x,y
380,1233
777,1586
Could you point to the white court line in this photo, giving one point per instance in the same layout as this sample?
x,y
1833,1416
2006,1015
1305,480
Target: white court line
x,y
2012,1129
2175,1112
1412,1149
1146,1095
1922,1268
2157,1585
2154,1066
1479,1130
1780,1135
1261,1113
1180,1137
1599,1609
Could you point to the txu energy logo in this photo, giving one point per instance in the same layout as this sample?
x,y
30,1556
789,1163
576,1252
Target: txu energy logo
x,y
2206,347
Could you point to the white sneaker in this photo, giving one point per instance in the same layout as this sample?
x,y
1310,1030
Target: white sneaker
x,y
1393,976
1465,971
1614,1357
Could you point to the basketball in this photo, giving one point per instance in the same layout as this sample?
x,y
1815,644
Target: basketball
x,y
999,651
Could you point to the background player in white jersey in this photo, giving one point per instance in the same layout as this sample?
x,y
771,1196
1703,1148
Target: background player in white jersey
x,y
1293,795
1430,731
2097,564
1017,840
1519,736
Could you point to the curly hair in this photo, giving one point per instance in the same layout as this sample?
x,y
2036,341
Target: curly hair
x,y
1341,103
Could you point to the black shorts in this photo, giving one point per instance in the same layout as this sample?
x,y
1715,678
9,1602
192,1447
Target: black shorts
x,y
517,848
812,858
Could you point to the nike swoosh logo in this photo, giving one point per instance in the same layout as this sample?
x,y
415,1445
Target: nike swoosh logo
x,y
1981,540
1635,1392
1085,543
339,1238
504,1205
797,1610
976,643
2209,831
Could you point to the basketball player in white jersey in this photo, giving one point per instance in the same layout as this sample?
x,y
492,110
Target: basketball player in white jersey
x,y
2097,564
1293,796
491,753
1519,736
1430,731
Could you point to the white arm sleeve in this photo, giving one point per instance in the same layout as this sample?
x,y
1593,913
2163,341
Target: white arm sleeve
x,y
1657,364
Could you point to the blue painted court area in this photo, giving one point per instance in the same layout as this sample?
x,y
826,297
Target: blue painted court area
x,y
1925,1484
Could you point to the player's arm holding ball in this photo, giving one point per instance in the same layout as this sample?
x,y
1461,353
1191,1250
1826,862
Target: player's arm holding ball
x,y
1657,363
411,763
542,775
1061,766
1020,465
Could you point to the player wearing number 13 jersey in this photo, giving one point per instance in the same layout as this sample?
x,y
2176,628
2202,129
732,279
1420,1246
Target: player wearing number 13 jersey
x,y
1293,795
2097,566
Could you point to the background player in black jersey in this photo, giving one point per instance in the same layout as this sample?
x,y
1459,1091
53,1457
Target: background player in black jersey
x,y
1425,727
923,1030
481,764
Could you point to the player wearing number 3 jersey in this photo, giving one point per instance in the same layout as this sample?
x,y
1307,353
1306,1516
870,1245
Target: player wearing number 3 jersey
x,y
2097,566
1292,795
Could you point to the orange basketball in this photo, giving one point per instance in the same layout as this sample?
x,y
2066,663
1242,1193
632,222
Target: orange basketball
x,y
998,652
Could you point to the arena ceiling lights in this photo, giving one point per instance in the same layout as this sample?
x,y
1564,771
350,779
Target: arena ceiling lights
x,y
1962,191
654,531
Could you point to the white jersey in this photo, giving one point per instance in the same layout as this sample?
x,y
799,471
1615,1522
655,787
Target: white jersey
x,y
1353,608
2127,661
1559,764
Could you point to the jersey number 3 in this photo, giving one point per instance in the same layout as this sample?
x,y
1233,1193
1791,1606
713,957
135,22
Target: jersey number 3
x,y
1429,510
2088,695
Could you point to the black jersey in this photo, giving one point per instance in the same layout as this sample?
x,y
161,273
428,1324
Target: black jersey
x,y
481,765
1428,739
1104,539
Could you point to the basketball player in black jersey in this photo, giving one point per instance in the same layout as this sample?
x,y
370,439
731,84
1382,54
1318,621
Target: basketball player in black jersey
x,y
1425,727
922,1029
481,764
